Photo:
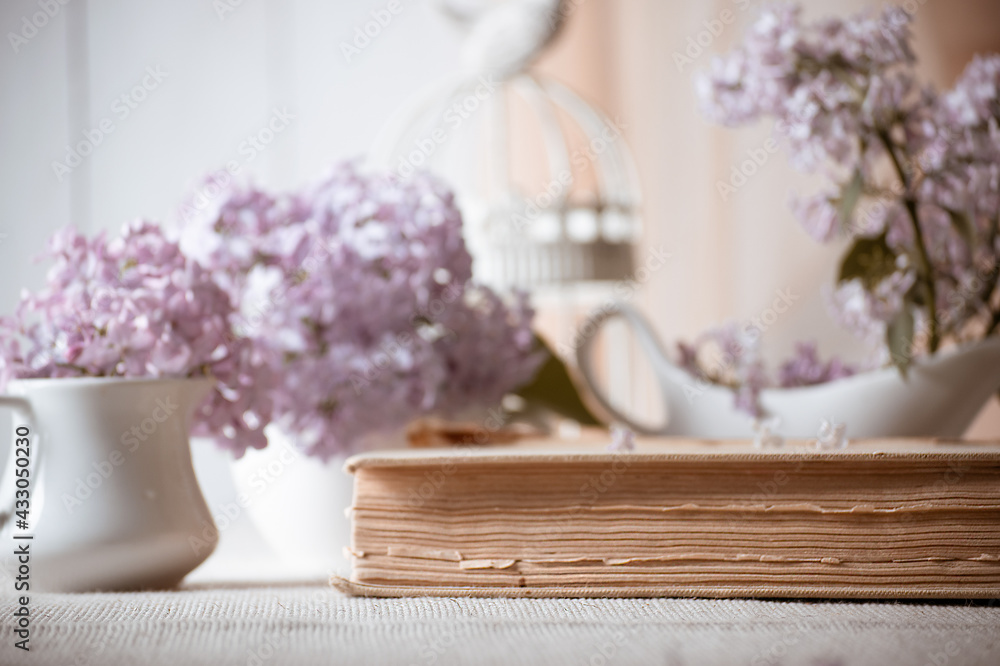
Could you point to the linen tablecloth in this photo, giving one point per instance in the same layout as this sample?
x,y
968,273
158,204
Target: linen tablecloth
x,y
313,624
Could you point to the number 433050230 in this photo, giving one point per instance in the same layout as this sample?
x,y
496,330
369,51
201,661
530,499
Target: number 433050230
x,y
22,470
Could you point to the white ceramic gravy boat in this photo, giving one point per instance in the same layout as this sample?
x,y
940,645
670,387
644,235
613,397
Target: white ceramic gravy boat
x,y
939,397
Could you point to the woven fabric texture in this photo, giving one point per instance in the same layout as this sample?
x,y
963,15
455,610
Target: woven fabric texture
x,y
314,624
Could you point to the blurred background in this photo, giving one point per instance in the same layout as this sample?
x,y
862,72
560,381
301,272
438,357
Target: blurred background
x,y
167,91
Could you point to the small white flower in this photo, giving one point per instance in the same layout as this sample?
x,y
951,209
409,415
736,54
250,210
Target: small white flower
x,y
764,433
832,435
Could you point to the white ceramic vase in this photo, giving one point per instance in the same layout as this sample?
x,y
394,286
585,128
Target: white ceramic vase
x,y
299,504
939,396
113,502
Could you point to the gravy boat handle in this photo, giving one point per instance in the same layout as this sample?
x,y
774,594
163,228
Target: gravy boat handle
x,y
649,345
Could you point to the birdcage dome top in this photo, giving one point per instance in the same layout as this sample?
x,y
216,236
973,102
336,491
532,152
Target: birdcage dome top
x,y
545,181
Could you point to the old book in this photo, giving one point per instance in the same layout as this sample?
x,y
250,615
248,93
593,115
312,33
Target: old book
x,y
880,518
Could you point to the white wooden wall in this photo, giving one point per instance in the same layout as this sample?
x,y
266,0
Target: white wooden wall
x,y
227,63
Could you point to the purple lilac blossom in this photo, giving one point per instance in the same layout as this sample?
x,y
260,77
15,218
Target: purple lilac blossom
x,y
818,216
866,313
727,355
622,439
807,369
846,103
134,306
360,288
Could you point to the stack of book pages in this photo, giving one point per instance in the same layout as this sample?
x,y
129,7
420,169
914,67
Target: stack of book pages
x,y
675,517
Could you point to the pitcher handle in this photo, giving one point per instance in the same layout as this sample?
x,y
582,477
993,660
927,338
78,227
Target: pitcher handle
x,y
649,344
8,482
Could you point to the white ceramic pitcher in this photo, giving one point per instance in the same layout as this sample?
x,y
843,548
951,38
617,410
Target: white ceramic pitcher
x,y
939,397
113,500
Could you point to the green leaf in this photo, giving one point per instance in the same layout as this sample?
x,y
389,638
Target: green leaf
x,y
963,226
899,339
850,196
553,387
870,259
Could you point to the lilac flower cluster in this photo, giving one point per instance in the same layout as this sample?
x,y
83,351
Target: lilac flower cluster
x,y
825,84
807,369
866,313
339,311
915,173
134,306
729,356
359,290
958,196
622,439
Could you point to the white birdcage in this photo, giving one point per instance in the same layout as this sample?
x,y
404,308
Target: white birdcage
x,y
545,182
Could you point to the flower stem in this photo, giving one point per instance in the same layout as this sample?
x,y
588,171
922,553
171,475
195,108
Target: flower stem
x,y
988,298
925,263
994,323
